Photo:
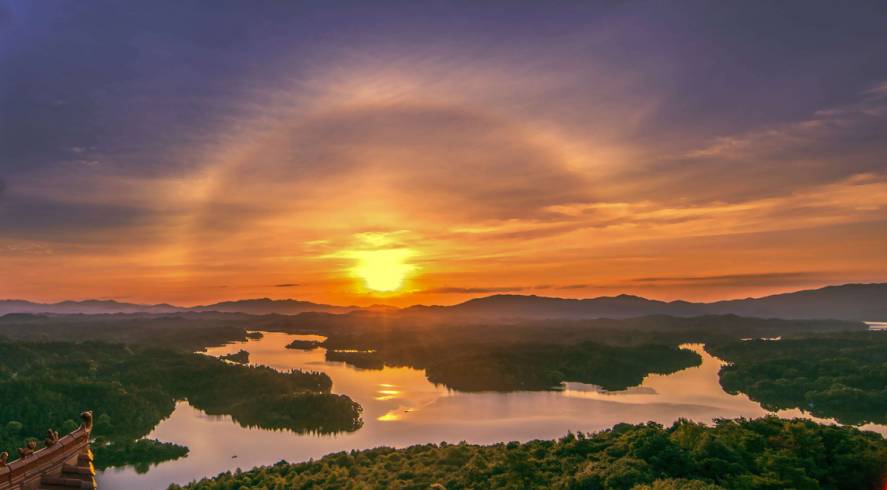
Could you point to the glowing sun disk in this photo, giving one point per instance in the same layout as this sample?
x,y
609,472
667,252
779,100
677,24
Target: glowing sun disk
x,y
383,270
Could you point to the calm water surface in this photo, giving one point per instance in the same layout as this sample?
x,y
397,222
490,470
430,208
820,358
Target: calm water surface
x,y
401,407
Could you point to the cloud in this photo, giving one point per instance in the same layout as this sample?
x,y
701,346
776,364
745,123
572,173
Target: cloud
x,y
505,289
286,285
474,290
11,248
751,279
498,152
859,197
829,145
446,161
30,217
5,14
819,130
877,91
418,166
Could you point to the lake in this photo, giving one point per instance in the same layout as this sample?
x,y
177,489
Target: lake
x,y
401,408
877,325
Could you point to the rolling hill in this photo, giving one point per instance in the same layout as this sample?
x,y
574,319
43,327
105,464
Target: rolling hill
x,y
867,302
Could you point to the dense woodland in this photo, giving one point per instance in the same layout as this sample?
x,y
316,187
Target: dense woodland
x,y
525,366
404,337
830,368
141,454
541,367
188,332
303,344
841,376
766,453
533,355
239,357
508,363
536,355
400,333
131,388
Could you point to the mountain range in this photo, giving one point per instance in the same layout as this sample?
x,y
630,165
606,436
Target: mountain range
x,y
845,302
867,302
260,306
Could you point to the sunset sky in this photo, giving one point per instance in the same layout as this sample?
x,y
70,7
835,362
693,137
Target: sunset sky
x,y
189,153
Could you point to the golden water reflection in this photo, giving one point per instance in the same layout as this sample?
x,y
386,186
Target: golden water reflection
x,y
401,408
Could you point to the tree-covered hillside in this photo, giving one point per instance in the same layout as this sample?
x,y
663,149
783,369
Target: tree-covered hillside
x,y
767,453
841,376
535,355
131,389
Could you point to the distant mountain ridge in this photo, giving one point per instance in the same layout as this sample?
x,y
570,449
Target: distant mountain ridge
x,y
87,307
264,306
260,306
845,302
849,301
864,302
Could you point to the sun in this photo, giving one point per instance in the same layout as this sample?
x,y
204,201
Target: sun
x,y
383,271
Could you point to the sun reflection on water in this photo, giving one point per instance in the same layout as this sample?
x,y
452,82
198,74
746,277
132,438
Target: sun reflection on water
x,y
388,394
390,416
402,408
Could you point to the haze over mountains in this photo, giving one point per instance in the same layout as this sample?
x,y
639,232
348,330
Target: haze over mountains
x,y
261,306
845,302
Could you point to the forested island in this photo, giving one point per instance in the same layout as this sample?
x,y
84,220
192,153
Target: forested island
x,y
363,359
187,332
303,344
840,376
532,354
545,367
132,369
766,453
131,388
239,357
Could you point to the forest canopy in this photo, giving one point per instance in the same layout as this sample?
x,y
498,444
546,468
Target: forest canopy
x,y
765,453
131,389
840,376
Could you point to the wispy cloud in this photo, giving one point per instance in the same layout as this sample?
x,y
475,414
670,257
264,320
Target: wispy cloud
x,y
475,290
493,153
822,127
757,279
